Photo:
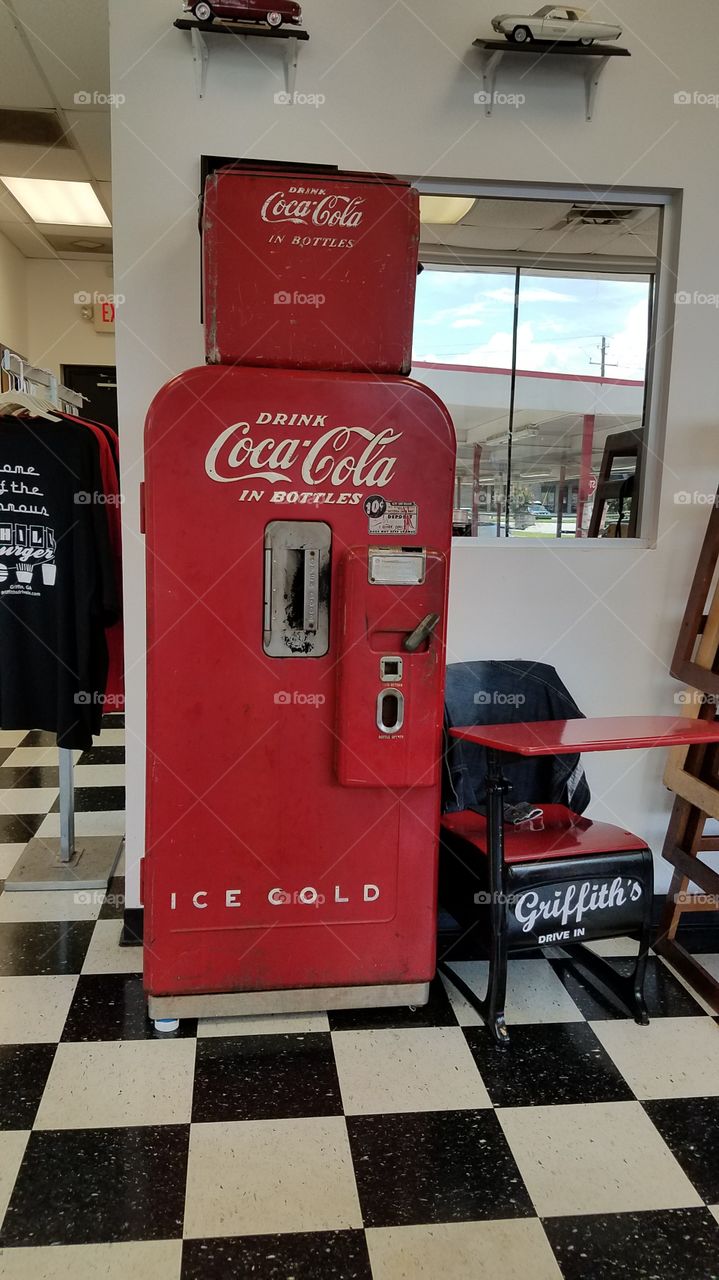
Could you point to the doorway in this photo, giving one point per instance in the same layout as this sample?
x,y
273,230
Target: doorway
x,y
98,384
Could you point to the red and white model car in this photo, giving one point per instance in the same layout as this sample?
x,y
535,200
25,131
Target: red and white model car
x,y
273,14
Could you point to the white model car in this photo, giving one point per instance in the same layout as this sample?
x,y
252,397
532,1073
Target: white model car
x,y
554,23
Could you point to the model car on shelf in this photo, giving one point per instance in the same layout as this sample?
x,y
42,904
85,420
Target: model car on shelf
x,y
552,23
246,11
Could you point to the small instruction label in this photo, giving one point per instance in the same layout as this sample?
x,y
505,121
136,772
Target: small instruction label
x,y
386,517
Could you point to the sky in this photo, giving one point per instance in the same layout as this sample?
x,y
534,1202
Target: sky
x,y
465,317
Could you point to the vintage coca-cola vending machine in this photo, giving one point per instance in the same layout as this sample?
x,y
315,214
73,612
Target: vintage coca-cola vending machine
x,y
298,500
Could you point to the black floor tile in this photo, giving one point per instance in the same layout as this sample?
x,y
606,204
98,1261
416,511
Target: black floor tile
x,y
18,828
39,738
95,799
113,906
547,1064
312,1255
113,720
32,775
438,1012
48,946
435,1166
85,1186
690,1128
668,1244
665,996
103,755
265,1077
4,753
24,1069
113,1007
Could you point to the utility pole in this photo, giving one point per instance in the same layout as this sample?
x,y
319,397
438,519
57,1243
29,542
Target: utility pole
x,y
603,362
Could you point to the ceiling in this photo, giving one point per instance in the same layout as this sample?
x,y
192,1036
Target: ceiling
x,y
547,229
54,59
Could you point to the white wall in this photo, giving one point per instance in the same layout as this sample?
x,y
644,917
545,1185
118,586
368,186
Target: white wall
x,y
57,332
399,82
13,299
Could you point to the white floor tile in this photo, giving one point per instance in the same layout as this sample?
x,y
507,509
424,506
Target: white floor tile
x,y
53,904
714,1208
254,1177
110,738
9,854
671,1058
614,947
415,1069
12,1149
509,1250
534,993
108,822
27,799
273,1024
105,955
100,775
601,1157
123,1082
33,1009
12,737
25,757
148,1260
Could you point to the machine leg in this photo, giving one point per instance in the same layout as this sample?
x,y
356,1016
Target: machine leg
x,y
165,1026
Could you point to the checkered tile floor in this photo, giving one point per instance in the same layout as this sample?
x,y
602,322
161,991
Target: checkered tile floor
x,y
392,1144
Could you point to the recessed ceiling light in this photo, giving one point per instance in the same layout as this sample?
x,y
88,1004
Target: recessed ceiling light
x,y
67,204
444,210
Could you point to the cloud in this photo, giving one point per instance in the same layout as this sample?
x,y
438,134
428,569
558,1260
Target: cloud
x,y
534,293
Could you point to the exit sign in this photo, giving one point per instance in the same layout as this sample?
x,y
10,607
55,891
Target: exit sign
x,y
104,317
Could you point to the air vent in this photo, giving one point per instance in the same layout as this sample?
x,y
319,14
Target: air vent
x,y
78,244
602,215
32,129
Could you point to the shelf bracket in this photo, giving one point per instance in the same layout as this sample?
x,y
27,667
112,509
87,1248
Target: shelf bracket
x,y
200,58
490,66
292,53
591,81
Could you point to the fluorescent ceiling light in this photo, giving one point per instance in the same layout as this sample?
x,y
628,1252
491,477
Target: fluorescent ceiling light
x,y
535,475
67,204
444,210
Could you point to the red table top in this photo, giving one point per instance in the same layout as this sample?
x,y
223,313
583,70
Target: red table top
x,y
605,733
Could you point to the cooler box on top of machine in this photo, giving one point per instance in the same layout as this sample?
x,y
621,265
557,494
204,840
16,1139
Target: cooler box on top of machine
x,y
309,270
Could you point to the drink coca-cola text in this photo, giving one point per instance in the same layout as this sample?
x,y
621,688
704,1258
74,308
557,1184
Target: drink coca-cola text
x,y
340,455
317,209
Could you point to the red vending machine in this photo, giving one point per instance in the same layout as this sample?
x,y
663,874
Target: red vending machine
x,y
298,525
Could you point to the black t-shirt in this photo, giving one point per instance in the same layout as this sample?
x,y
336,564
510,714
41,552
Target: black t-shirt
x,y
57,584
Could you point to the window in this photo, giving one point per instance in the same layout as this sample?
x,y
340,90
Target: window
x,y
534,324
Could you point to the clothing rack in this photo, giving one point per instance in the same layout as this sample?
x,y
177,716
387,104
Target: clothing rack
x,y
48,862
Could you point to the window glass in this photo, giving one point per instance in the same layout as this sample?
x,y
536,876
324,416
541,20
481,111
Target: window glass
x,y
543,366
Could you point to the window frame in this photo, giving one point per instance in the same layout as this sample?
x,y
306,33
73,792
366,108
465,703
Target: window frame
x,y
658,369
